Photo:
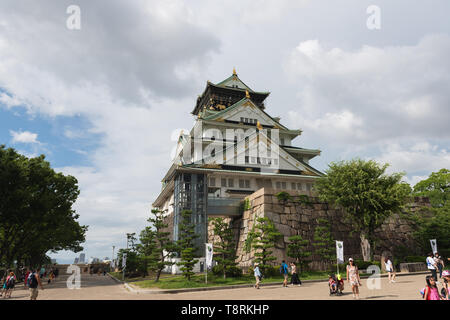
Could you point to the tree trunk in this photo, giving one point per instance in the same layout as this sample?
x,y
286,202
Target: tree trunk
x,y
365,247
158,274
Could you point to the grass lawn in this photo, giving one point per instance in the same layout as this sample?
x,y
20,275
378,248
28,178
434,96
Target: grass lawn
x,y
197,281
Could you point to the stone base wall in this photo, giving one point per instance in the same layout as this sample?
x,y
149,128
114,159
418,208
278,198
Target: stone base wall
x,y
300,219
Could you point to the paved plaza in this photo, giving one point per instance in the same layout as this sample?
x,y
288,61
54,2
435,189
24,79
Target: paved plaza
x,y
101,287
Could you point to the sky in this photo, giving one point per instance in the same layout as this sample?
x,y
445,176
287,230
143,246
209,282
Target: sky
x,y
105,100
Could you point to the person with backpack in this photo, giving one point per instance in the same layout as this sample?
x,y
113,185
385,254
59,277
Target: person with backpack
x,y
10,284
285,272
33,281
3,286
439,263
431,291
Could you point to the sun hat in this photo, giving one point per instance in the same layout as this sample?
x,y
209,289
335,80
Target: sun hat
x,y
445,273
351,259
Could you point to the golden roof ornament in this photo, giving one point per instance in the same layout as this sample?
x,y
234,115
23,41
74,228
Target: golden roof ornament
x,y
258,125
234,71
247,95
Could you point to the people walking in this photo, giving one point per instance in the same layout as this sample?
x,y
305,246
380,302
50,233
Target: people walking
x,y
11,280
285,272
439,263
295,280
258,276
34,280
390,270
25,279
431,290
3,286
353,278
431,265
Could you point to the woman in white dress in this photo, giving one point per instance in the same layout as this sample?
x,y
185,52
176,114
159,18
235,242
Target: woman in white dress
x,y
353,278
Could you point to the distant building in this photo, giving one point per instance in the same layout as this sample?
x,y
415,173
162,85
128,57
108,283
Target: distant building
x,y
76,261
82,257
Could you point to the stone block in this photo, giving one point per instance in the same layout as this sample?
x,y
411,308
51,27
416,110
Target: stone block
x,y
284,229
283,219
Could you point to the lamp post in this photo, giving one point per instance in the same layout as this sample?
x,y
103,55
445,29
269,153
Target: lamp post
x,y
112,259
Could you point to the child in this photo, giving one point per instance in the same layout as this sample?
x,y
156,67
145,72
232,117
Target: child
x,y
431,291
332,284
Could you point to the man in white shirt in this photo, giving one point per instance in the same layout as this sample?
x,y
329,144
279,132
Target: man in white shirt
x,y
431,265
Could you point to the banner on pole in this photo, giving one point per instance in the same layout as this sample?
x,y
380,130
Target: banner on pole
x,y
340,251
433,245
124,261
209,255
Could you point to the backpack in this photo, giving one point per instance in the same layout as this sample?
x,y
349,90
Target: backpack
x,y
31,281
11,281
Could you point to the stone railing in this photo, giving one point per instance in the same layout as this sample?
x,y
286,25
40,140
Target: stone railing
x,y
413,267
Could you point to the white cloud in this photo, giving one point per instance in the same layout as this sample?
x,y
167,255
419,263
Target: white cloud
x,y
23,137
393,91
420,157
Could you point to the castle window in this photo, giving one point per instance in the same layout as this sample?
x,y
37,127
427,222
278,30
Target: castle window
x,y
223,182
212,182
231,183
283,185
293,185
299,185
278,185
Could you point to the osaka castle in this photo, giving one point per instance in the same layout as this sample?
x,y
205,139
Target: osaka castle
x,y
234,149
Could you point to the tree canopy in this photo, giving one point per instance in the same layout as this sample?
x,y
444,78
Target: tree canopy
x,y
367,194
437,225
36,214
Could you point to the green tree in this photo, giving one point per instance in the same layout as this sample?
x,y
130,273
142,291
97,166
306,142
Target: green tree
x,y
36,214
224,246
297,249
186,244
145,249
434,224
263,237
324,244
436,187
367,194
164,249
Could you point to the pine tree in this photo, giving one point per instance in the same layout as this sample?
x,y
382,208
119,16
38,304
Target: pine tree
x,y
145,249
164,248
264,237
297,249
323,241
186,244
225,246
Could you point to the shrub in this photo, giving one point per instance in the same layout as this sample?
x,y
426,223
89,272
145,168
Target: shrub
x,y
233,272
414,259
363,265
